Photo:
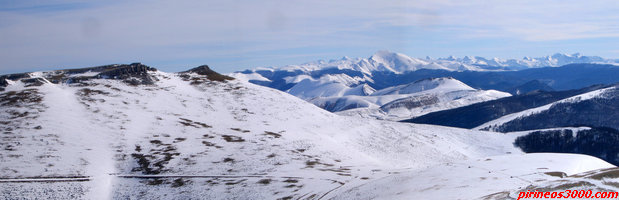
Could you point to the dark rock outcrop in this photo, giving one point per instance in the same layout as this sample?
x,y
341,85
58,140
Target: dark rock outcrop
x,y
3,84
29,82
122,71
209,73
12,77
133,74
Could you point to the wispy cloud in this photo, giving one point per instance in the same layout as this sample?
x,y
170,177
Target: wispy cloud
x,y
81,33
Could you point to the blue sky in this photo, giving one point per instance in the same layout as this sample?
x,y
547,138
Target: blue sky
x,y
235,35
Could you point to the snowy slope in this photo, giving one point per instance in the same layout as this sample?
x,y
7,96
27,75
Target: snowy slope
x,y
410,106
185,125
329,86
496,124
437,84
495,177
134,132
409,100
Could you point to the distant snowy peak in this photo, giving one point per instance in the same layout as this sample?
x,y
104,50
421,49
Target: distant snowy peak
x,y
446,84
400,63
555,60
563,59
395,62
387,61
328,84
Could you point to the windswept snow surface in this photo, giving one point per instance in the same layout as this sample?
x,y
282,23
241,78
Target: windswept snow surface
x,y
247,77
476,178
185,137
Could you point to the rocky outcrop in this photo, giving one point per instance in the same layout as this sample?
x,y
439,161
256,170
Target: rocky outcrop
x,y
134,69
411,102
12,77
209,73
29,82
133,74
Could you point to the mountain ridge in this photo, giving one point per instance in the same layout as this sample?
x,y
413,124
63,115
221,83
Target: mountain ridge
x,y
595,108
189,137
477,114
397,62
338,78
234,138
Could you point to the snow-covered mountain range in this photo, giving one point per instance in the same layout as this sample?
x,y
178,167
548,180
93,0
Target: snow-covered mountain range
x,y
393,86
133,132
399,63
362,86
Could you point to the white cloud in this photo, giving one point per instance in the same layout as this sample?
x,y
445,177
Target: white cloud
x,y
160,31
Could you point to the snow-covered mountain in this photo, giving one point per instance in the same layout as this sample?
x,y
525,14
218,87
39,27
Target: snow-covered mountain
x,y
436,84
595,108
555,60
409,100
386,61
133,132
474,115
346,83
381,61
330,86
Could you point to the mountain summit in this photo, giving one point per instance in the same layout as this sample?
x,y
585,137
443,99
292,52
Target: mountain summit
x,y
212,75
